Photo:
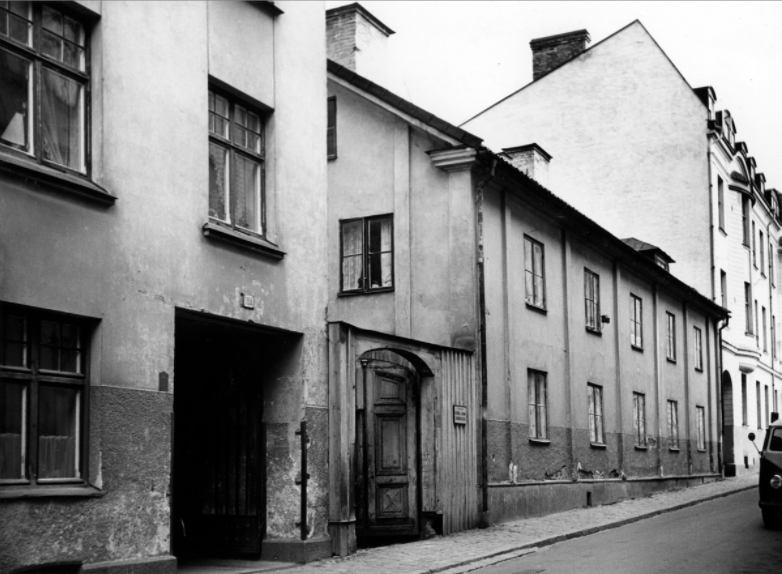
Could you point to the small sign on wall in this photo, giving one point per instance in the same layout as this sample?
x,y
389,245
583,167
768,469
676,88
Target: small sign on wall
x,y
459,415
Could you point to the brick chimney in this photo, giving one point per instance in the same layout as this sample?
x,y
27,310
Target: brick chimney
x,y
552,51
356,39
531,159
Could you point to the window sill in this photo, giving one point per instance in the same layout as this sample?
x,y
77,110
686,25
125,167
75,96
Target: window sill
x,y
598,445
533,307
640,447
670,360
674,449
596,332
540,441
700,370
218,232
725,233
369,292
636,348
74,491
47,178
701,450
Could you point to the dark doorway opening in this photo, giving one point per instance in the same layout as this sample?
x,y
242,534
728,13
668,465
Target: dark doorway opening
x,y
219,482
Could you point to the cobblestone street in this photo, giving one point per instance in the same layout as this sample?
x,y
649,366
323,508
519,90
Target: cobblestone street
x,y
470,550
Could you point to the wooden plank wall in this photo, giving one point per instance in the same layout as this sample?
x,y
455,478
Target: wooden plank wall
x,y
457,458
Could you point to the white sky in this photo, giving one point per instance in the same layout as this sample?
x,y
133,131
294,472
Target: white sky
x,y
454,59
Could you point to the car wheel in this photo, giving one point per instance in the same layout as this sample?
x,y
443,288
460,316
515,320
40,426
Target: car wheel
x,y
770,518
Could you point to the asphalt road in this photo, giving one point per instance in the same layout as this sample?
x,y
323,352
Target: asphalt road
x,y
722,536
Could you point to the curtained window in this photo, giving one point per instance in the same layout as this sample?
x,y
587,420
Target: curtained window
x,y
367,254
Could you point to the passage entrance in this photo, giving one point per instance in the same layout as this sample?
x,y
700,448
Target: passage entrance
x,y
388,430
219,492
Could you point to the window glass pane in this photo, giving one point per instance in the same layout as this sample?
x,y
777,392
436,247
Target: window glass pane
x,y
73,31
352,255
49,358
218,179
539,301
375,272
14,341
51,45
538,258
52,20
58,432
385,234
246,187
374,236
221,116
15,100
62,115
15,21
13,427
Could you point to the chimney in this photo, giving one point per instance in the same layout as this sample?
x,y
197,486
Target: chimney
x,y
357,40
530,159
552,51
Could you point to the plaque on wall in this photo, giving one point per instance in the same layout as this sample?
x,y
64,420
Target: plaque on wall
x,y
459,415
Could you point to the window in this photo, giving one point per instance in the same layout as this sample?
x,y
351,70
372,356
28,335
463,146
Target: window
x,y
331,130
367,254
671,338
745,219
538,424
754,247
724,288
534,272
748,308
236,164
592,300
595,397
698,349
700,421
639,419
42,398
761,245
765,336
721,202
673,424
661,262
773,336
43,84
771,262
757,331
757,400
744,408
765,396
636,322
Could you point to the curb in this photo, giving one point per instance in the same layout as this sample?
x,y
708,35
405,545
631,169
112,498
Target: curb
x,y
579,533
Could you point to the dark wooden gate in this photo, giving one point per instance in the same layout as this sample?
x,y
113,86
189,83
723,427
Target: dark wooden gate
x,y
388,451
218,467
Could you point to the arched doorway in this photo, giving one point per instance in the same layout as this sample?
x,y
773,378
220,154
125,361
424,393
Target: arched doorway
x,y
727,425
388,491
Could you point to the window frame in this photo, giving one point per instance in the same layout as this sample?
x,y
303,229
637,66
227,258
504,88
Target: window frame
x,y
673,424
365,255
331,127
234,149
724,288
537,402
639,420
636,322
700,428
670,350
762,250
760,409
592,282
745,218
698,336
596,419
764,318
721,203
744,401
36,378
754,247
41,61
748,324
529,268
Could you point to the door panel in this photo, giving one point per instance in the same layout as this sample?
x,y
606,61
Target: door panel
x,y
388,443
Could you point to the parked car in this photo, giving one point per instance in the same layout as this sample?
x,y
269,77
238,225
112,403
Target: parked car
x,y
771,474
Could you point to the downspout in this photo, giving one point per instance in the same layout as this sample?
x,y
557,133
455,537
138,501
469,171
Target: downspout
x,y
484,372
720,405
769,266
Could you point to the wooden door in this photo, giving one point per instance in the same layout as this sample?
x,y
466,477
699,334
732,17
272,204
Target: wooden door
x,y
388,489
218,472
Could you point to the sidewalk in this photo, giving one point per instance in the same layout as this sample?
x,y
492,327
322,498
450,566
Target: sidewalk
x,y
474,549
466,551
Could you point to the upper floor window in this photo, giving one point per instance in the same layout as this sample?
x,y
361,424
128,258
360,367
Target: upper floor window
x,y
762,250
534,272
721,202
592,300
331,128
639,419
745,219
744,400
236,164
673,424
367,254
595,398
43,84
700,422
42,398
536,388
671,338
765,331
748,308
661,262
636,322
724,288
698,349
771,262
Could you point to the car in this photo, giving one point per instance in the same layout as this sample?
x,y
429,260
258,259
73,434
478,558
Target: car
x,y
770,481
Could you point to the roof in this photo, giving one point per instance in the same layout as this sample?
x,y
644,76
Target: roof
x,y
643,247
356,7
403,105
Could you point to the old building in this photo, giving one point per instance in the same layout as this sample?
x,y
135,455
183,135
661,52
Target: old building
x,y
621,121
494,353
162,292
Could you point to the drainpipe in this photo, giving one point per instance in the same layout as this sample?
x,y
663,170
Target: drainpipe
x,y
482,311
720,406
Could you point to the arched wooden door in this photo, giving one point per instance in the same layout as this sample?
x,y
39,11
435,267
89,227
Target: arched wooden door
x,y
387,440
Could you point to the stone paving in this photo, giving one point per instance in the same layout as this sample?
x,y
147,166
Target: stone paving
x,y
474,549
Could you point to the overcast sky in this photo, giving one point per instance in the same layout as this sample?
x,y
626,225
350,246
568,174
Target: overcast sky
x,y
454,59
